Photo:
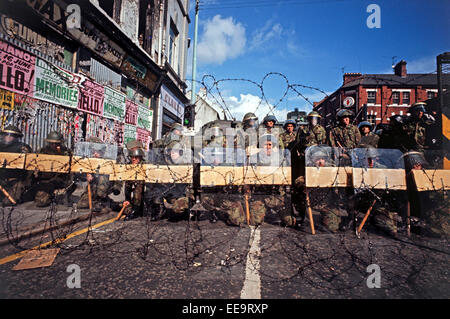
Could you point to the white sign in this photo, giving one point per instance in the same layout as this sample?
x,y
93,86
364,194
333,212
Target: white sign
x,y
348,101
171,103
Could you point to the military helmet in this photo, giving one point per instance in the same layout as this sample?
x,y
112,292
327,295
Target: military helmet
x,y
314,114
419,106
13,130
365,123
269,118
249,116
134,144
414,158
176,126
318,151
54,137
137,152
94,139
289,122
397,120
344,113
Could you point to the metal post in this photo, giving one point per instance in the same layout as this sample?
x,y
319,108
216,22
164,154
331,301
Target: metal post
x,y
194,58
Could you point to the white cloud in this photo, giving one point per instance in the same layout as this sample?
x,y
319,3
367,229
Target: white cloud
x,y
267,33
423,65
222,39
245,103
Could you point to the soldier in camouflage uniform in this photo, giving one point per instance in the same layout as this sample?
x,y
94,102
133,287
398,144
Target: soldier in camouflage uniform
x,y
344,135
312,134
394,136
269,127
367,136
287,138
48,182
176,197
416,127
134,190
14,181
101,187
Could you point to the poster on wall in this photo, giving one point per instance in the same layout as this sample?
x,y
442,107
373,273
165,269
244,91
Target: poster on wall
x,y
144,136
55,85
17,69
91,98
145,118
6,100
114,104
129,133
131,115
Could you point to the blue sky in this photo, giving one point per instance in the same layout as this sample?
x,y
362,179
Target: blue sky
x,y
310,42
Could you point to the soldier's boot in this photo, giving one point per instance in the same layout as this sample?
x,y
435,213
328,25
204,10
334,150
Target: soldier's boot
x,y
43,199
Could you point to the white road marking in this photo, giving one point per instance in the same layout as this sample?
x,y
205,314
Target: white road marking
x,y
252,282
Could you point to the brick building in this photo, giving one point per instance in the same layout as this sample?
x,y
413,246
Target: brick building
x,y
376,97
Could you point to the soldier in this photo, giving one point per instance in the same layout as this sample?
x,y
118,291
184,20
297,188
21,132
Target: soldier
x,y
14,181
313,134
416,126
367,136
176,197
327,201
248,135
430,206
344,134
48,182
394,136
134,190
384,211
287,138
310,135
100,185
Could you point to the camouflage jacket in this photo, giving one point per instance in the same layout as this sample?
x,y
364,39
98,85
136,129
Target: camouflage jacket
x,y
347,137
416,134
370,139
309,136
287,140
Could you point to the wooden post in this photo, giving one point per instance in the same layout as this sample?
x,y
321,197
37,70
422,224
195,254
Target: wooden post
x,y
366,216
247,209
90,196
7,195
308,205
121,212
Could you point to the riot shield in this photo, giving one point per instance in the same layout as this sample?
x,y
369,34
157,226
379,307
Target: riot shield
x,y
327,187
428,192
169,181
379,184
92,164
246,188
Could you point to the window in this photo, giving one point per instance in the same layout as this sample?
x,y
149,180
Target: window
x,y
371,97
405,98
371,118
173,38
396,98
431,95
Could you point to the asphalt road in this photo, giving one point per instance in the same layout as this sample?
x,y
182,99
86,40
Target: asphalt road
x,y
197,259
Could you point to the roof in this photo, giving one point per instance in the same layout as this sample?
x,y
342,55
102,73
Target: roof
x,y
395,80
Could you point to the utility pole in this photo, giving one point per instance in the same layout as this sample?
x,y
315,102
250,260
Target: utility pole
x,y
194,58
